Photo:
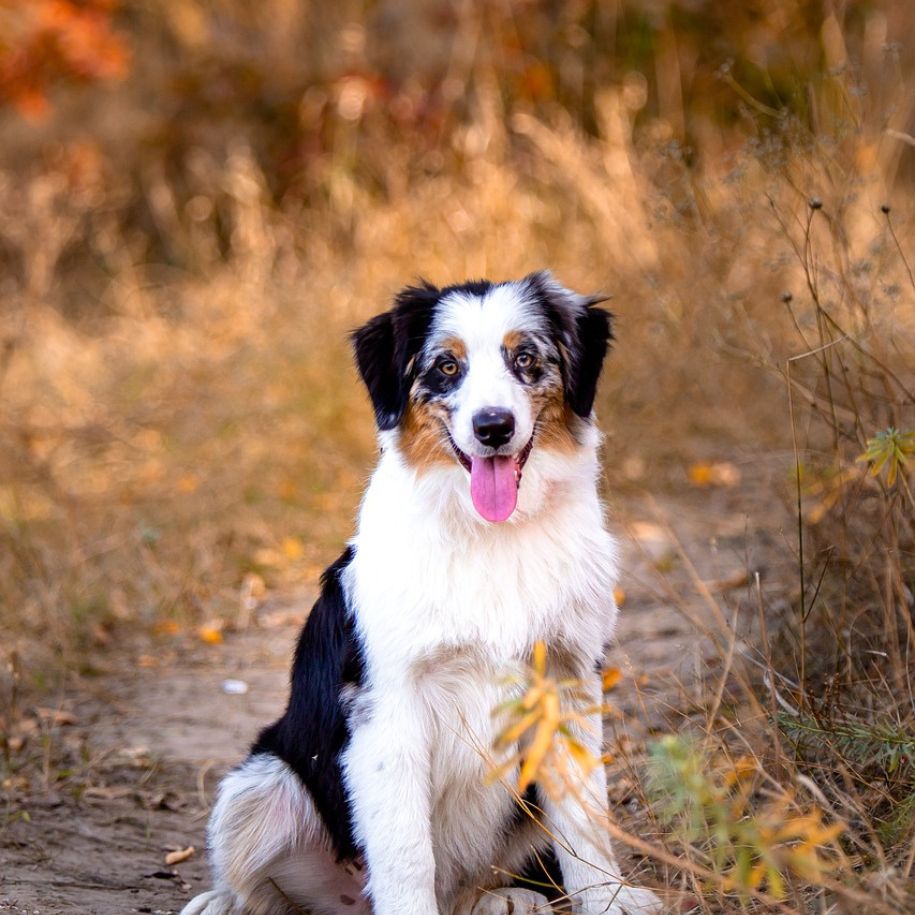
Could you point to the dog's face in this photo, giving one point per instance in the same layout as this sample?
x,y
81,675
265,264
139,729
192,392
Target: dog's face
x,y
479,375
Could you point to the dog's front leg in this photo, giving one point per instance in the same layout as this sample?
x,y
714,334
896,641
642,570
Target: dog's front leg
x,y
387,767
577,820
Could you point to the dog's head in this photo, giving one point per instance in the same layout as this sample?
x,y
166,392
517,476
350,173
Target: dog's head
x,y
479,375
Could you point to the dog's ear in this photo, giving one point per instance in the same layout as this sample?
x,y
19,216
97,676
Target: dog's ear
x,y
595,332
583,333
386,349
373,344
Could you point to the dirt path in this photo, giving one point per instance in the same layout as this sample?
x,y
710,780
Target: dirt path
x,y
144,746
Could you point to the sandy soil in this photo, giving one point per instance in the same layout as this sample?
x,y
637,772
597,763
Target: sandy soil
x,y
144,745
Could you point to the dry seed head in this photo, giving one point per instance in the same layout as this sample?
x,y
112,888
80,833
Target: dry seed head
x,y
540,732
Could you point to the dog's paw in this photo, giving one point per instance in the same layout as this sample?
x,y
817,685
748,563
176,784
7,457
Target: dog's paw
x,y
504,901
213,903
621,900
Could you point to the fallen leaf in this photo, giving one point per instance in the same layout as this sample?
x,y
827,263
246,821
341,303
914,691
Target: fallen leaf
x,y
619,595
166,627
211,633
182,854
719,473
610,677
700,474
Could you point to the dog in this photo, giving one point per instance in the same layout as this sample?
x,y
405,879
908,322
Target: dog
x,y
480,534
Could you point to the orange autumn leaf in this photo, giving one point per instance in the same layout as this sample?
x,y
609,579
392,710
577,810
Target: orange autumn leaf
x,y
30,102
179,855
211,634
46,42
706,473
610,677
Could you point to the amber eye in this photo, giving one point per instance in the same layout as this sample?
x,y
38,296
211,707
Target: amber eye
x,y
524,361
448,367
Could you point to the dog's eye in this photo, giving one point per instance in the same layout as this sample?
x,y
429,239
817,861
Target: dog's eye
x,y
524,361
449,367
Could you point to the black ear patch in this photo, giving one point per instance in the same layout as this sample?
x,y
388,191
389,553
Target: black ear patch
x,y
386,346
594,333
583,334
374,347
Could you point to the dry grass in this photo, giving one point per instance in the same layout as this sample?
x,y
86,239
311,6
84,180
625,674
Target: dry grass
x,y
170,431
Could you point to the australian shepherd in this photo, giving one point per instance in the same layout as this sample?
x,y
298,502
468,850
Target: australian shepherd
x,y
481,533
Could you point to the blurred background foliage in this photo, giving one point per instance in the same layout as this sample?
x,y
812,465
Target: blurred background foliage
x,y
199,198
387,94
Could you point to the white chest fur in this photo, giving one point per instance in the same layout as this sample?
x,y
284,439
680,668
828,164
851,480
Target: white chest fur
x,y
446,605
428,574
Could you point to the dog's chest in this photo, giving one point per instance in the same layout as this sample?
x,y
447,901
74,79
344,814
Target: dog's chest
x,y
417,589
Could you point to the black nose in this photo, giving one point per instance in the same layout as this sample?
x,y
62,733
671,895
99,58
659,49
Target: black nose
x,y
493,426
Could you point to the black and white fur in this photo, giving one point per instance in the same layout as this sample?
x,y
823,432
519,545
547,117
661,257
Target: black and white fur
x,y
369,794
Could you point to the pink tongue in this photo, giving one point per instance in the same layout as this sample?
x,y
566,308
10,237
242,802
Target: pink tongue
x,y
493,487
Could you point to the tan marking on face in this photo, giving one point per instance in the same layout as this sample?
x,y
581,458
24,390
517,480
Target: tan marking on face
x,y
512,340
422,440
455,346
556,421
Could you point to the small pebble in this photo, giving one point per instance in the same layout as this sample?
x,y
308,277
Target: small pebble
x,y
234,687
